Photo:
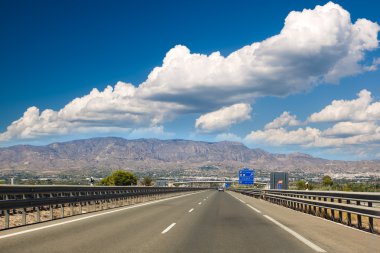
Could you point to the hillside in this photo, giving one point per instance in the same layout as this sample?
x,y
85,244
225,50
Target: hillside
x,y
153,154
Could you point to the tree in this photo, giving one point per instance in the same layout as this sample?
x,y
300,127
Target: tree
x,y
120,178
107,181
301,185
327,181
147,181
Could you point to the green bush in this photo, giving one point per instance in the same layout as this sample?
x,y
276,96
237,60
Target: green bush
x,y
301,185
327,181
120,178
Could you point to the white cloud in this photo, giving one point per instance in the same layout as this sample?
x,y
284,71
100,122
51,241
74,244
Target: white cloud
x,y
223,118
281,136
315,45
285,119
374,65
114,110
315,138
355,129
347,129
360,109
150,132
228,137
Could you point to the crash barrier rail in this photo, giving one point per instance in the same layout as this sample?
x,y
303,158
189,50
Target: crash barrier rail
x,y
342,207
22,205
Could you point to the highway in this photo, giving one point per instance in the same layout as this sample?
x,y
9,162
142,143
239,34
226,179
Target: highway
x,y
207,221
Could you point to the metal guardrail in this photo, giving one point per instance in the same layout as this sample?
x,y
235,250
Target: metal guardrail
x,y
320,203
34,199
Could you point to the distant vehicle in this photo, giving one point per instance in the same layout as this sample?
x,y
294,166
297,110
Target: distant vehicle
x,y
221,189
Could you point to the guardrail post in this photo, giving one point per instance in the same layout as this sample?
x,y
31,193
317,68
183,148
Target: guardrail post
x,y
51,212
325,209
332,211
370,220
23,220
349,220
340,212
62,210
6,217
359,217
38,214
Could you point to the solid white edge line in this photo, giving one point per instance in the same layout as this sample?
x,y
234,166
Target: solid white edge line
x,y
237,198
94,215
254,209
321,218
168,228
296,235
192,209
332,222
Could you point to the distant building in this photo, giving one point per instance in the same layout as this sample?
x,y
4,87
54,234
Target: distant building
x,y
279,180
162,183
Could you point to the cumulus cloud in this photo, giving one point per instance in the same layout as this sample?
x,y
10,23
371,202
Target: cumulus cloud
x,y
353,126
374,65
315,45
228,137
348,129
152,132
281,136
223,118
360,109
114,110
310,137
285,119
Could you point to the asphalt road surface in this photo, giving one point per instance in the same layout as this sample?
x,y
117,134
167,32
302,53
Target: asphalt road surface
x,y
207,221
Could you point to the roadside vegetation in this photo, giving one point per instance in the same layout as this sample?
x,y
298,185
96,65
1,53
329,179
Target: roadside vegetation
x,y
328,184
119,178
147,181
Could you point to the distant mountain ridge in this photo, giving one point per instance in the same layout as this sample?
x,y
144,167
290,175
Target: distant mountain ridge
x,y
153,154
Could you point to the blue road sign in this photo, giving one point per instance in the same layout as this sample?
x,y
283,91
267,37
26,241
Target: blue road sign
x,y
228,185
246,176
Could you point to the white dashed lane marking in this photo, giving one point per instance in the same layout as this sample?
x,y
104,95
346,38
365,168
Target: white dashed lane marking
x,y
168,228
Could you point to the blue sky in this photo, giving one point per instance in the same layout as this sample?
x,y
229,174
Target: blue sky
x,y
53,52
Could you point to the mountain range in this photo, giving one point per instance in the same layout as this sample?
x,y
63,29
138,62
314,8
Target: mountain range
x,y
153,154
